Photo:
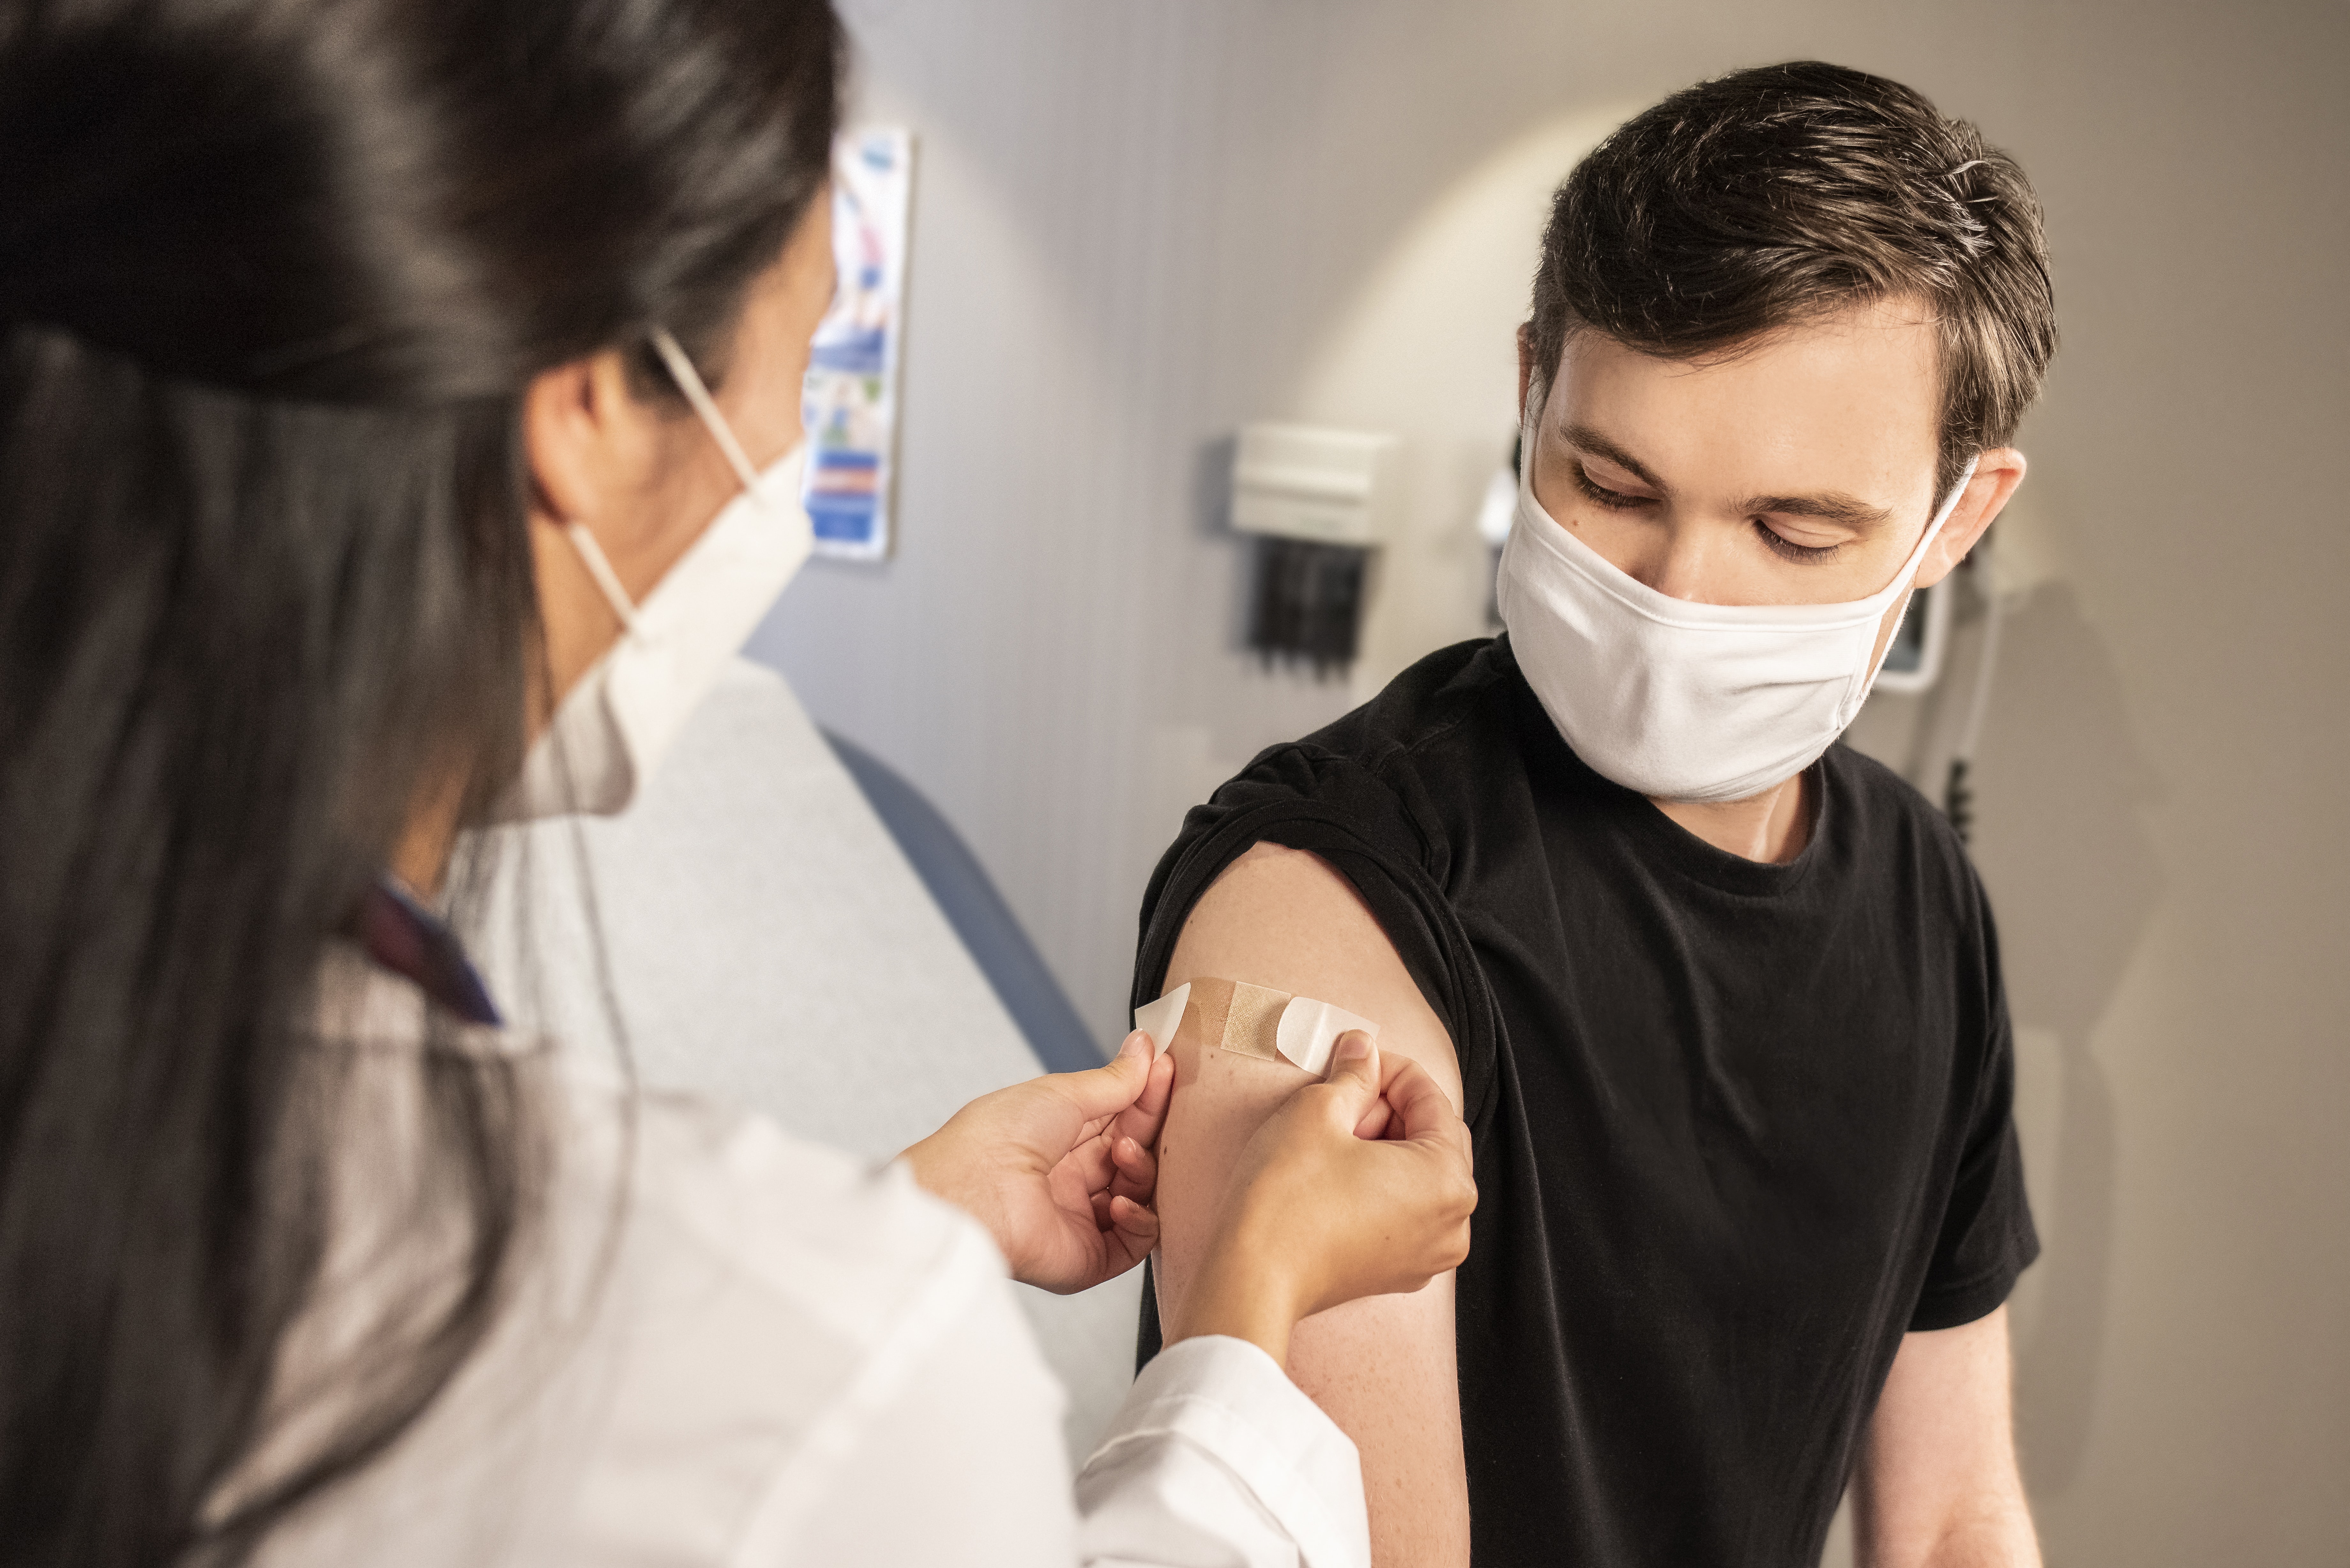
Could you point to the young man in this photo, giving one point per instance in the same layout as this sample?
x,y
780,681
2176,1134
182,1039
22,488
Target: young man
x,y
1720,997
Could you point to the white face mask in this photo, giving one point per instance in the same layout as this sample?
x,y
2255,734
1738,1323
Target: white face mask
x,y
1681,700
613,726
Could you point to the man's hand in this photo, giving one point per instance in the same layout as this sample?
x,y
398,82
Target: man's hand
x,y
1060,1169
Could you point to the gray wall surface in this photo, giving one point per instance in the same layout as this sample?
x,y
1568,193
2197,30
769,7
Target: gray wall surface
x,y
1137,226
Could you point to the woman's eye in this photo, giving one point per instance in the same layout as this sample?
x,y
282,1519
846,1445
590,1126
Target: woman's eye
x,y
1592,490
1789,550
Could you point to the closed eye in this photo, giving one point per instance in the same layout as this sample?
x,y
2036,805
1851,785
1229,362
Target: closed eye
x,y
1614,500
1787,549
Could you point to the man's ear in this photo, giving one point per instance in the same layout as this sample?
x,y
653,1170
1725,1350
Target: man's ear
x,y
1997,474
1526,367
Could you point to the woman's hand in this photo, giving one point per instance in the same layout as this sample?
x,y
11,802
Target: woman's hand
x,y
1060,1169
1359,1186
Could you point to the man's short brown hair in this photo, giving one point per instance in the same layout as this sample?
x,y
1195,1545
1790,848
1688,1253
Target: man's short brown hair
x,y
1772,196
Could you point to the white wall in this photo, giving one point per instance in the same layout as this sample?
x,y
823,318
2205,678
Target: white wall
x,y
1137,226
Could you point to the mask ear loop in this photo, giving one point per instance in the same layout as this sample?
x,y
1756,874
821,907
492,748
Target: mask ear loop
x,y
1909,572
688,382
591,554
696,393
1530,431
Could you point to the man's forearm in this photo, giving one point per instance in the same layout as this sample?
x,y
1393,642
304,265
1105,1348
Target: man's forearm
x,y
2001,1538
1997,1534
1938,1484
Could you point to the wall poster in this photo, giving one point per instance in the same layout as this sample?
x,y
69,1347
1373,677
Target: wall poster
x,y
850,400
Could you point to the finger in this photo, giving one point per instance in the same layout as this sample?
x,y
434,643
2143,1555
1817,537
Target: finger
x,y
1128,1232
1133,1218
1138,1170
1380,1120
1134,1228
1106,1090
1090,1164
1141,1120
1426,1119
1420,1102
1354,1072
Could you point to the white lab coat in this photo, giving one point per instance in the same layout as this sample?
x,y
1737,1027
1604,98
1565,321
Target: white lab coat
x,y
754,1351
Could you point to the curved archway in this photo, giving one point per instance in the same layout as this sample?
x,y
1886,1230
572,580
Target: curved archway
x,y
1426,351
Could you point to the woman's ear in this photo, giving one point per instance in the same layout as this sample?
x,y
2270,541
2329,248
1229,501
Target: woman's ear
x,y
1997,474
593,448
592,444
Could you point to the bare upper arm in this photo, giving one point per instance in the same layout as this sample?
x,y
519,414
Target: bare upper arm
x,y
1383,1367
1937,1480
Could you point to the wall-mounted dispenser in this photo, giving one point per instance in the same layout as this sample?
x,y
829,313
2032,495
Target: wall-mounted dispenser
x,y
1924,658
1913,660
1497,511
1318,500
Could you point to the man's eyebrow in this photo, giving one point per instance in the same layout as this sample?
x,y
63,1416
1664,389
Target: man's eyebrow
x,y
1588,440
1835,507
1829,507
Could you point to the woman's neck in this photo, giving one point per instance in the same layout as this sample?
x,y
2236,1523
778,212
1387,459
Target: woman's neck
x,y
419,857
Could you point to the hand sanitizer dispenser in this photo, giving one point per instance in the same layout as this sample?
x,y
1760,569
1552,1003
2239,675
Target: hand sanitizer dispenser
x,y
1318,500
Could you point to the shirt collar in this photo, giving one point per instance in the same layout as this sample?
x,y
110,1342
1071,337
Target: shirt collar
x,y
402,936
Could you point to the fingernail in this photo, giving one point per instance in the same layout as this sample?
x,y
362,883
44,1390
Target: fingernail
x,y
1352,1046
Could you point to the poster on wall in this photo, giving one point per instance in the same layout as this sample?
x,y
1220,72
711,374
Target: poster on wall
x,y
850,400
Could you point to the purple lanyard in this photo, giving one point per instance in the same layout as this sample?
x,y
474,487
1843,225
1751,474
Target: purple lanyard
x,y
404,936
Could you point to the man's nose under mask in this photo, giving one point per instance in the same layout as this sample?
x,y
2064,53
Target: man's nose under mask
x,y
1681,700
612,728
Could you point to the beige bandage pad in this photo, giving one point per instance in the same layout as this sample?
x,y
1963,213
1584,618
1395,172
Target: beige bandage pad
x,y
1249,1021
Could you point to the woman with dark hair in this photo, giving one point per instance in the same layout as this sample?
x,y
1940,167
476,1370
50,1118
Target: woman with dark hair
x,y
399,401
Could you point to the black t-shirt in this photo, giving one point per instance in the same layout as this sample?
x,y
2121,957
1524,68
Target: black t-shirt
x,y
1739,1126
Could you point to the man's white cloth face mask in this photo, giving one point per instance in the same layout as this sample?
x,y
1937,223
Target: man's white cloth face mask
x,y
1682,701
611,728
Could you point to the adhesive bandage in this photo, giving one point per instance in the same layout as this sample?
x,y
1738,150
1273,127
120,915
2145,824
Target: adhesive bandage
x,y
1249,1021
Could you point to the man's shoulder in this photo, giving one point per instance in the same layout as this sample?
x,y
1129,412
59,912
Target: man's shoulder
x,y
1380,780
1889,825
1448,705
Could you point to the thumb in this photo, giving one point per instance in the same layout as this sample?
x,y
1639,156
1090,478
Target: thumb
x,y
1106,1091
1354,1071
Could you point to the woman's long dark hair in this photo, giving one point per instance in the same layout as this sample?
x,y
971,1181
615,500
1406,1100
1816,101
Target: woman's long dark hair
x,y
274,277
